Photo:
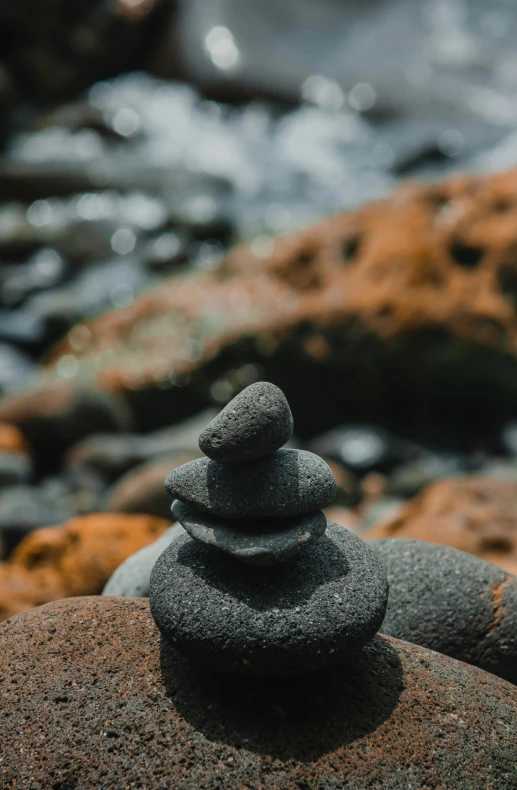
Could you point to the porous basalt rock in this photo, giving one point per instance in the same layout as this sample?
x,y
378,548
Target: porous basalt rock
x,y
104,703
287,483
302,615
409,298
451,602
474,514
257,541
255,423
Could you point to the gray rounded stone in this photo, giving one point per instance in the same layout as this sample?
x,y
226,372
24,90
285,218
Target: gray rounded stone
x,y
452,602
254,424
132,578
306,614
287,483
256,541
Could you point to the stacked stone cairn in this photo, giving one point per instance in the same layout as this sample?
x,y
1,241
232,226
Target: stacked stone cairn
x,y
262,583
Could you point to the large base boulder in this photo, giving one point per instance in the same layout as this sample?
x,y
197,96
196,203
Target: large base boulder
x,y
92,698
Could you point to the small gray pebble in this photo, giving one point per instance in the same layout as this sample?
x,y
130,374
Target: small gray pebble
x,y
131,579
310,613
254,424
256,541
287,483
452,602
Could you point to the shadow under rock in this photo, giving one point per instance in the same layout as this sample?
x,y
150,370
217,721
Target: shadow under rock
x,y
296,718
284,586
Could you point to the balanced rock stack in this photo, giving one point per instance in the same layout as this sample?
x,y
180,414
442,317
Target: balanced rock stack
x,y
317,592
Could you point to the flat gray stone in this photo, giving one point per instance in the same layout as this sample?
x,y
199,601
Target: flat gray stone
x,y
256,541
132,578
309,613
452,602
287,483
254,424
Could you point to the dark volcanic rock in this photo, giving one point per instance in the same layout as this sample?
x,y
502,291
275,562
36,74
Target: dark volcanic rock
x,y
288,483
255,423
257,541
104,703
305,614
132,578
451,602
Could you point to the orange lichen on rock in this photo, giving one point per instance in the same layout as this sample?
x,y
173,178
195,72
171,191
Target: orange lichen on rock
x,y
473,514
76,558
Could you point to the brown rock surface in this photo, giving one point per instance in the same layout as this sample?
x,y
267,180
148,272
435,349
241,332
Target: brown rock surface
x,y
20,589
473,514
141,490
76,558
91,699
12,440
409,299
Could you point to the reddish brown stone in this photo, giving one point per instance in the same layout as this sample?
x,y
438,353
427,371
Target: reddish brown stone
x,y
12,440
473,514
407,298
91,698
20,589
81,555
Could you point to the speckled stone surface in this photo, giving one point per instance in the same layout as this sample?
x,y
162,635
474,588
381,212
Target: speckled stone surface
x,y
132,578
302,615
255,423
287,483
256,541
91,698
452,602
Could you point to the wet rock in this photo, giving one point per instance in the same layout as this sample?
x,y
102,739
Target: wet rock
x,y
141,489
25,508
367,282
288,483
256,541
15,469
81,555
451,602
476,515
305,614
111,455
360,447
368,722
16,369
133,577
255,423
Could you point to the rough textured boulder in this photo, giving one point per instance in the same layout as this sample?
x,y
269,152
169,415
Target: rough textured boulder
x,y
473,514
451,602
412,298
76,558
103,703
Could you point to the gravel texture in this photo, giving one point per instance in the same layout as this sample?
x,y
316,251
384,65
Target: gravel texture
x,y
302,615
451,602
254,424
257,541
92,698
287,483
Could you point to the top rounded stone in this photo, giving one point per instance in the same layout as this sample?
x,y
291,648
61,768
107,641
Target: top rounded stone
x,y
254,424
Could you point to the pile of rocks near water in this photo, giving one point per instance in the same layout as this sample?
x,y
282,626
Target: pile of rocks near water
x,y
317,594
108,702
